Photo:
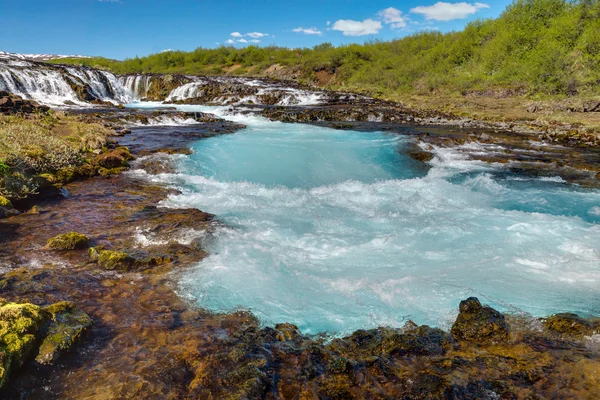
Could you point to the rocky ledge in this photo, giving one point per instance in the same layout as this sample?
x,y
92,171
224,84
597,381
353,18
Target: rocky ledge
x,y
13,104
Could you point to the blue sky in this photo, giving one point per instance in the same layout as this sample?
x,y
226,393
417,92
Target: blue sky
x,y
126,28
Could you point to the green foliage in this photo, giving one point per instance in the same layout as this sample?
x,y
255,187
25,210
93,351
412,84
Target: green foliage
x,y
543,46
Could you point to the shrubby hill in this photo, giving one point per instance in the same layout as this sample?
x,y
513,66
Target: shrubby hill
x,y
545,47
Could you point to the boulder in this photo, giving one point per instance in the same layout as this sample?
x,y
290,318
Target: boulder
x,y
19,329
67,324
479,324
68,241
28,331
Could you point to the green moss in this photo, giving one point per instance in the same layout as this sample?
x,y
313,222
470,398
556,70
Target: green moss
x,y
68,241
19,325
68,324
4,202
110,171
66,175
47,180
115,260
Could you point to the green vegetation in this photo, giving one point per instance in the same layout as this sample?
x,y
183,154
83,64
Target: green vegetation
x,y
546,47
19,325
38,150
68,241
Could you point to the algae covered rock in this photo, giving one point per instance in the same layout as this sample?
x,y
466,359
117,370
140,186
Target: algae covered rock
x,y
4,202
19,329
480,324
117,158
6,207
67,325
571,325
28,331
112,260
68,241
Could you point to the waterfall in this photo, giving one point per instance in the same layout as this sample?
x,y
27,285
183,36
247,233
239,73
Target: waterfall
x,y
187,91
56,84
137,85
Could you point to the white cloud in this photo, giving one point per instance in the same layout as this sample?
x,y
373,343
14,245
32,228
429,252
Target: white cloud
x,y
236,34
167,50
394,17
442,11
230,41
357,28
308,31
254,41
242,41
257,35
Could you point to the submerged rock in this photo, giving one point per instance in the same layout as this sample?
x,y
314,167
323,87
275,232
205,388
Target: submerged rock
x,y
68,241
571,325
66,326
27,328
480,324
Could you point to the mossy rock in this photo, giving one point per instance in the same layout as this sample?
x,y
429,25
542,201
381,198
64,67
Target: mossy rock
x,y
571,325
66,327
66,175
19,328
113,260
479,324
110,172
6,203
68,241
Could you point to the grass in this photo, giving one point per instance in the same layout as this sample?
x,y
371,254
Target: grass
x,y
37,145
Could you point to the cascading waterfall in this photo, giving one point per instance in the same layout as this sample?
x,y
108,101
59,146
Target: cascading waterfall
x,y
43,86
137,85
187,91
55,85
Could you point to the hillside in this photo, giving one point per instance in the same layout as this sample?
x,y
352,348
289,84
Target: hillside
x,y
549,47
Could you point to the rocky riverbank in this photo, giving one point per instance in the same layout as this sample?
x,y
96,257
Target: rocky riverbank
x,y
147,342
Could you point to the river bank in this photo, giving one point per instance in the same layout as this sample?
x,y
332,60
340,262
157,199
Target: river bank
x,y
148,342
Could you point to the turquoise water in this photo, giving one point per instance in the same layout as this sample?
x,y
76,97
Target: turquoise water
x,y
336,231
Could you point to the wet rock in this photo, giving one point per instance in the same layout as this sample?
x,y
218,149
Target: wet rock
x,y
479,324
571,325
68,241
19,327
67,324
420,341
24,327
117,158
112,260
13,104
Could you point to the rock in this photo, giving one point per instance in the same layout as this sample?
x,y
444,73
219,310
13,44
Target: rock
x,y
117,158
24,326
19,327
6,203
571,325
68,241
35,210
479,324
113,260
67,325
